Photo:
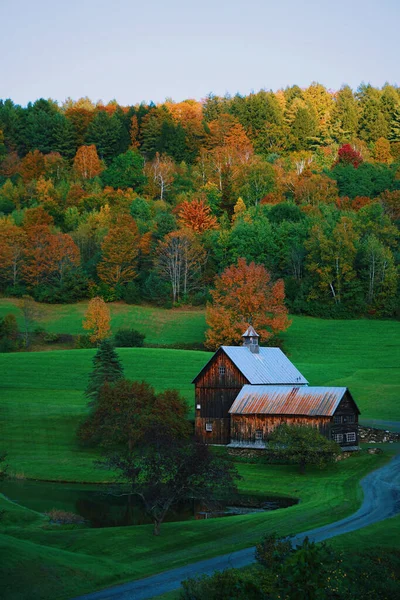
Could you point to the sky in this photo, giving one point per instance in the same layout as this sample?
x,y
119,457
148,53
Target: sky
x,y
132,51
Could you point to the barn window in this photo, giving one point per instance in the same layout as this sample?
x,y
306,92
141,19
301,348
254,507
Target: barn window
x,y
351,437
338,437
259,434
208,426
349,419
337,419
198,406
222,370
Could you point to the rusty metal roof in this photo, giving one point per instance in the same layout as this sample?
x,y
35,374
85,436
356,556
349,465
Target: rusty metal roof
x,y
268,366
290,400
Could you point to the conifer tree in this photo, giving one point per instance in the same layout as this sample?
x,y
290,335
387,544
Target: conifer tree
x,y
107,368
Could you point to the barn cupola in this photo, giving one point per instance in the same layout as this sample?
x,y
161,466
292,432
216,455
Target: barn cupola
x,y
250,340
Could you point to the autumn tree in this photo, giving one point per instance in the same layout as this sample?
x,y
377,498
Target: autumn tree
x,y
180,258
97,320
87,163
347,155
12,244
160,173
119,250
244,294
196,215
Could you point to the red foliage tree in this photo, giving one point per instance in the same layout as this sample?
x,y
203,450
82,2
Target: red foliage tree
x,y
347,155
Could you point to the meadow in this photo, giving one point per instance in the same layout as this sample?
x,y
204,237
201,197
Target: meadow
x,y
76,561
41,393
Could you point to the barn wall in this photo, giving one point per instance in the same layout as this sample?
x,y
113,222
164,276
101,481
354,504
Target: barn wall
x,y
348,414
214,395
220,433
244,427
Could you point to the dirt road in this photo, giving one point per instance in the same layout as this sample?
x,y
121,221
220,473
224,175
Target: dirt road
x,y
381,501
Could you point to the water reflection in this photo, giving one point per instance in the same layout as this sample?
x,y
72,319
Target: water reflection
x,y
102,506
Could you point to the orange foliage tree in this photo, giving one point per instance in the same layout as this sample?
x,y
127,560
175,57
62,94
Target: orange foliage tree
x,y
196,215
119,249
97,320
244,294
12,243
87,163
32,166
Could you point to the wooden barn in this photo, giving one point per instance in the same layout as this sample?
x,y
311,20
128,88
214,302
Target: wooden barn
x,y
244,392
225,374
258,410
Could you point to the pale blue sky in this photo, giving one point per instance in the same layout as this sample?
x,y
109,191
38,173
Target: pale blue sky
x,y
134,51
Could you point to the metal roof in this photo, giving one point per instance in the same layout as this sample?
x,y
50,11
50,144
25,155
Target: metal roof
x,y
291,400
268,366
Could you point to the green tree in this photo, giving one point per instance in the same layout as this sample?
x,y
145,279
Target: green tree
x,y
105,132
302,445
146,439
125,171
107,368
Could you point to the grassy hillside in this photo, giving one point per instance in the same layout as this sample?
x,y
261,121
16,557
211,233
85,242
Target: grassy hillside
x,y
41,394
161,326
81,560
42,403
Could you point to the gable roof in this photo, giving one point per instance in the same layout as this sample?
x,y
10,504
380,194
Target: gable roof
x,y
270,366
290,400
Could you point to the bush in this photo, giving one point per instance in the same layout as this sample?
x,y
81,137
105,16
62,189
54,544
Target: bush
x,y
62,517
83,341
157,291
131,293
51,338
129,338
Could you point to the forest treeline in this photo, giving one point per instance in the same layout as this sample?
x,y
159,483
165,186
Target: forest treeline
x,y
147,203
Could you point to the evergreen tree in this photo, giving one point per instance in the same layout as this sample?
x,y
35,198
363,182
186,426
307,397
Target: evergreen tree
x,y
105,131
107,368
395,125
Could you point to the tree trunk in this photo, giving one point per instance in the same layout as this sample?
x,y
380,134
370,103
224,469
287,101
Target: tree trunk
x,y
156,530
302,466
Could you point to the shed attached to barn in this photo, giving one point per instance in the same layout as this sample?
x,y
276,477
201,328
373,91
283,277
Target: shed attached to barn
x,y
258,410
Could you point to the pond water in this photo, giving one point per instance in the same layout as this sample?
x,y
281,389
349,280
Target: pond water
x,y
100,508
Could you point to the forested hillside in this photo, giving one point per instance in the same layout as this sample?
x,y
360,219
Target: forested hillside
x,y
148,203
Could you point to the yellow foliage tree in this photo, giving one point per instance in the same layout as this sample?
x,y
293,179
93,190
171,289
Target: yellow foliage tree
x,y
97,320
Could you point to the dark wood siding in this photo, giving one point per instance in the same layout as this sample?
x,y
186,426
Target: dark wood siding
x,y
216,389
347,415
244,427
220,433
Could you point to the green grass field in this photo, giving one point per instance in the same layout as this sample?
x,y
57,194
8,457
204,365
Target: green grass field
x,y
82,560
41,393
161,326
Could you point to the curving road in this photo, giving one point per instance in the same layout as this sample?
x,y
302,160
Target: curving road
x,y
381,501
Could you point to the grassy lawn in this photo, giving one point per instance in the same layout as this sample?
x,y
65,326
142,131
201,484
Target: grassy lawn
x,y
161,326
41,393
42,403
81,560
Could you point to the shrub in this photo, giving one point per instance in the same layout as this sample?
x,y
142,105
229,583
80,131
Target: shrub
x,y
129,338
62,517
131,294
83,341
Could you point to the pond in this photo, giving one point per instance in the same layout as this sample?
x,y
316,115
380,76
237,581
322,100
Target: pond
x,y
100,508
